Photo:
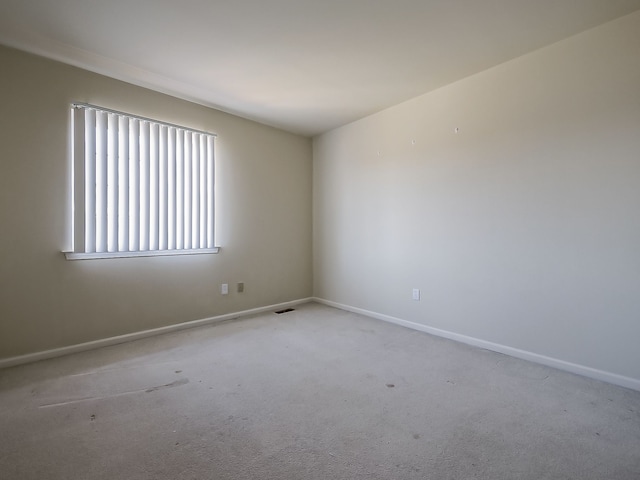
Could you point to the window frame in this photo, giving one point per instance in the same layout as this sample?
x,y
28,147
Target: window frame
x,y
175,179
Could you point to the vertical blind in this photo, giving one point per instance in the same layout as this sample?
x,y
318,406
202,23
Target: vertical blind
x,y
140,185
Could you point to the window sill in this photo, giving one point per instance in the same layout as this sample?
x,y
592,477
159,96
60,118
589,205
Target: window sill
x,y
145,253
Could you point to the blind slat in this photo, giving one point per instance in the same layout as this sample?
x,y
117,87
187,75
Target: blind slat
x,y
79,173
134,185
195,193
154,190
180,189
171,189
123,185
163,234
210,193
145,186
90,183
202,201
112,182
187,190
101,182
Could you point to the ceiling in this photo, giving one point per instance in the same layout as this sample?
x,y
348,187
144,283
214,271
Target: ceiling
x,y
305,66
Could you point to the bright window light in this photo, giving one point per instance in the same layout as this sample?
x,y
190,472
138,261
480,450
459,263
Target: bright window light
x,y
141,187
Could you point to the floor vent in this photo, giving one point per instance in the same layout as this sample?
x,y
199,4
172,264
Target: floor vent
x,y
286,310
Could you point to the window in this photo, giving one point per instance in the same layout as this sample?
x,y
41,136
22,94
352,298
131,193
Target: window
x,y
140,187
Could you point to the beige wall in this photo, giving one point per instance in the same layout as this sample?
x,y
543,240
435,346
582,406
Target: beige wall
x,y
264,218
523,229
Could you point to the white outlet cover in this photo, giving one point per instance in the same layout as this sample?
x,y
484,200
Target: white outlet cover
x,y
416,294
224,288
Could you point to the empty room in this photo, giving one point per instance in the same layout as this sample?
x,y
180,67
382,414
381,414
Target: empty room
x,y
295,239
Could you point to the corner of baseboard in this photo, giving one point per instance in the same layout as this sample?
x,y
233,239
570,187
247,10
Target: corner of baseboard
x,y
589,372
106,342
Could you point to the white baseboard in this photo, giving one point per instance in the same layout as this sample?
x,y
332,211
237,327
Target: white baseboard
x,y
81,347
613,378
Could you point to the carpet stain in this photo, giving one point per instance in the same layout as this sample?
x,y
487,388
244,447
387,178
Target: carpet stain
x,y
177,383
416,436
390,385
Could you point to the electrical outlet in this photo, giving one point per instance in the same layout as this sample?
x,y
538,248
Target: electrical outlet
x,y
416,294
224,288
240,287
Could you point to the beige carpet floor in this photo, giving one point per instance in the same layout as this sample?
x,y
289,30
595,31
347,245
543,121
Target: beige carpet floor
x,y
317,393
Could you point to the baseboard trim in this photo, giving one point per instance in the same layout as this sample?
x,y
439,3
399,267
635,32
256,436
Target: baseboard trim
x,y
82,347
585,371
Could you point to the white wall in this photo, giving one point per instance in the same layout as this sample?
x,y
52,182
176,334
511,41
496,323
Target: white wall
x,y
264,218
523,229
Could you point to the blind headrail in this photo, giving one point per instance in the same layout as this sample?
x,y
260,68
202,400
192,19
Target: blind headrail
x,y
138,117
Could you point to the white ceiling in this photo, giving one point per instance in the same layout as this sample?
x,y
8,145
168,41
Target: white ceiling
x,y
302,65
